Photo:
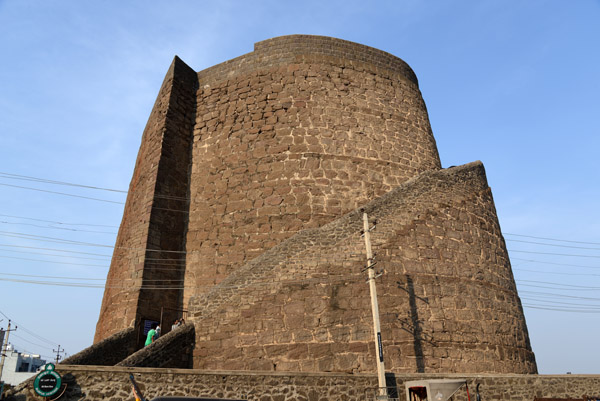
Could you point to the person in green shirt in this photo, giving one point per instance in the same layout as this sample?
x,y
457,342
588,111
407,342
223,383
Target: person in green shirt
x,y
151,334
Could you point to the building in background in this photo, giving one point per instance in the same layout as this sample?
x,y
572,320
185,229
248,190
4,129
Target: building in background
x,y
19,367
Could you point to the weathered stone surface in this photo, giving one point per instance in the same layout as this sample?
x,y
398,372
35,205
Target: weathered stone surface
x,y
244,209
147,264
112,384
172,350
291,136
107,352
305,306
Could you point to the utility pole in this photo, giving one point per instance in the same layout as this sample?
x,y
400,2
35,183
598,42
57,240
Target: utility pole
x,y
382,393
58,352
4,348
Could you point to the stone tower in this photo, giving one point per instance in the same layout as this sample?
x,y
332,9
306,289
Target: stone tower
x,y
243,211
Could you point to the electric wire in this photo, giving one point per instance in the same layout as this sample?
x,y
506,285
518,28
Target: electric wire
x,y
557,287
30,342
54,249
556,295
52,261
555,264
23,350
530,306
58,222
54,254
58,228
31,333
80,243
571,286
552,239
62,193
47,181
56,277
555,245
64,183
558,273
585,306
555,254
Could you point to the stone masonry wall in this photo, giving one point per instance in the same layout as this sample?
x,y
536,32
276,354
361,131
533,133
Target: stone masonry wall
x,y
241,205
147,265
291,136
172,350
107,352
304,305
112,384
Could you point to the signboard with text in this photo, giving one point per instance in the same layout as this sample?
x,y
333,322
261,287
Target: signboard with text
x,y
48,382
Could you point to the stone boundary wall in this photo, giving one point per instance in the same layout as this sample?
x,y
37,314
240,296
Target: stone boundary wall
x,y
172,350
107,352
112,383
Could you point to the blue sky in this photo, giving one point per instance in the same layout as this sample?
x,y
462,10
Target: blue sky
x,y
512,83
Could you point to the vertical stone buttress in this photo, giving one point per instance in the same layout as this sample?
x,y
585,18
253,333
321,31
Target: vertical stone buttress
x,y
146,272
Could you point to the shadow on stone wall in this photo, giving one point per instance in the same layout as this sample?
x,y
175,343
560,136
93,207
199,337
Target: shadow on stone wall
x,y
107,352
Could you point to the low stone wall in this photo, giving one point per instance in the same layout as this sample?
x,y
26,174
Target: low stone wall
x,y
112,383
107,352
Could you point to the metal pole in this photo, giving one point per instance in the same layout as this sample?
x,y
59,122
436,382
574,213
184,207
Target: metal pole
x,y
3,350
375,309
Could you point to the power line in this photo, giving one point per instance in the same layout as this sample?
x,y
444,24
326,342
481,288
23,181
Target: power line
x,y
49,239
559,288
54,249
556,295
54,254
571,310
56,277
560,303
558,273
32,343
54,182
52,261
29,331
46,181
555,245
81,243
583,287
62,193
552,239
58,222
555,264
555,254
23,350
58,228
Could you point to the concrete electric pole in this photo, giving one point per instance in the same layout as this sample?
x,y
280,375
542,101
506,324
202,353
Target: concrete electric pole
x,y
4,347
382,393
58,352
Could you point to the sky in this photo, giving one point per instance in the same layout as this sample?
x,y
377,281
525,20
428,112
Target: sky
x,y
512,83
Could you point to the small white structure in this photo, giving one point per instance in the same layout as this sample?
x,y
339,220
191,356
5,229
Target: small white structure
x,y
433,389
19,367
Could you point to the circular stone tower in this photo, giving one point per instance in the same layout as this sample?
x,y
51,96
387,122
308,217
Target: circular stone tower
x,y
292,136
247,189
